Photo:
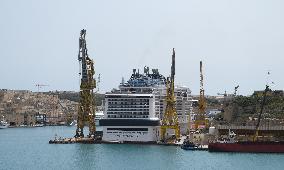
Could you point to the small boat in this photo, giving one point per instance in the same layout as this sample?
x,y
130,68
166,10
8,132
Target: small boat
x,y
23,125
38,125
73,123
3,123
187,145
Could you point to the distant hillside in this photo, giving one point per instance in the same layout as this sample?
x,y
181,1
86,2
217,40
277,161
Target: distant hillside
x,y
240,108
74,96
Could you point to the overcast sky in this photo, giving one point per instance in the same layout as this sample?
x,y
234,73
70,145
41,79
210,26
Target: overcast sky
x,y
238,42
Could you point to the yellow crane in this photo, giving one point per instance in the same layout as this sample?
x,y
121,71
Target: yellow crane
x,y
200,117
170,118
86,110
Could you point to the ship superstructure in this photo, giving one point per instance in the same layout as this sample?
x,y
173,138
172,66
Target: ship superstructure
x,y
133,112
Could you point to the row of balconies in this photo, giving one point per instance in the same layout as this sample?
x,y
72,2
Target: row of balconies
x,y
135,113
122,106
128,103
127,116
130,100
120,109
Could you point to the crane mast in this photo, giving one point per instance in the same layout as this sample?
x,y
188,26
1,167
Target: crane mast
x,y
170,118
236,89
200,119
260,113
86,110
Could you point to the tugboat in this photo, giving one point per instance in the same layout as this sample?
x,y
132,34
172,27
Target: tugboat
x,y
188,145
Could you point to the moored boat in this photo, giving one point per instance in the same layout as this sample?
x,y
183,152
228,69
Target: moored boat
x,y
3,123
248,146
254,146
187,145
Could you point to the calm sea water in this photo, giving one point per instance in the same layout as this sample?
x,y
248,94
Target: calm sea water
x,y
28,148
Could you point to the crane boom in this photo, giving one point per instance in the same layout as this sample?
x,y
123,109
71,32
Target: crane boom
x,y
260,113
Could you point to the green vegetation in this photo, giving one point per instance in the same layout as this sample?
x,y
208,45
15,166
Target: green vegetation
x,y
244,109
74,96
241,108
273,107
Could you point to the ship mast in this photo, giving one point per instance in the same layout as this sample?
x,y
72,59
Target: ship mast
x,y
86,110
170,118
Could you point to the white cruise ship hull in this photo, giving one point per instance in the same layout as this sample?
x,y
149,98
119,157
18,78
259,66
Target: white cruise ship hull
x,y
130,134
130,130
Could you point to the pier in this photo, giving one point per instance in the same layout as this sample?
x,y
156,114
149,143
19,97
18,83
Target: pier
x,y
87,140
250,130
75,140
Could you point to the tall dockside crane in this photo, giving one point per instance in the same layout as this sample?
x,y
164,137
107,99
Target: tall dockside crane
x,y
235,91
200,117
260,113
86,110
170,118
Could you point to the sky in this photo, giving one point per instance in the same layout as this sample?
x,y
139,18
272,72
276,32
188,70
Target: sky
x,y
238,42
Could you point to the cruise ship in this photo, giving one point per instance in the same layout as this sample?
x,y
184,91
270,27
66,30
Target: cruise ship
x,y
133,112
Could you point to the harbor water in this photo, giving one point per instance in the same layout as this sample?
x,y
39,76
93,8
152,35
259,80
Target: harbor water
x,y
28,148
